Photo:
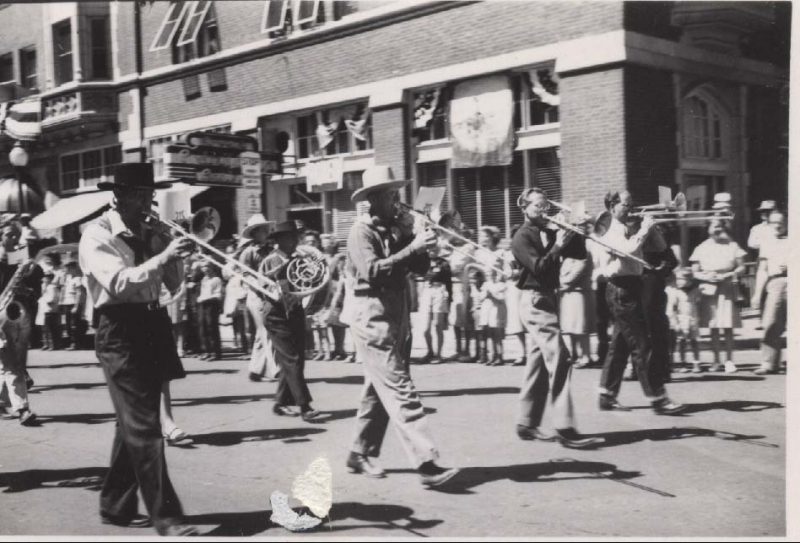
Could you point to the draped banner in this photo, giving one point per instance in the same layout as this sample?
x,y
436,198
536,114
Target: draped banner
x,y
544,85
481,122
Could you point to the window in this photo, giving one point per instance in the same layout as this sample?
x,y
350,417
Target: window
x,y
169,26
336,131
62,51
200,35
87,168
703,129
27,68
101,67
280,17
6,67
536,98
430,114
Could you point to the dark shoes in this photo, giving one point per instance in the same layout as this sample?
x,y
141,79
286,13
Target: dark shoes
x,y
27,417
359,463
254,377
311,415
607,403
571,439
136,521
432,475
529,434
764,371
666,406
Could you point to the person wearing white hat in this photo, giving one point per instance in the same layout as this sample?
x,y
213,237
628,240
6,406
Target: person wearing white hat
x,y
381,249
760,234
253,253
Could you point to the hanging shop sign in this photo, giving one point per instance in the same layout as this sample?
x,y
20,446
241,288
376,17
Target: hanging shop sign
x,y
325,175
253,201
223,160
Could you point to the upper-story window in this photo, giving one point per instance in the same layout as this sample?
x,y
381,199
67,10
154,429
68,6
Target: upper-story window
x,y
62,52
282,17
536,98
335,131
704,126
27,69
6,67
87,168
430,114
100,59
190,29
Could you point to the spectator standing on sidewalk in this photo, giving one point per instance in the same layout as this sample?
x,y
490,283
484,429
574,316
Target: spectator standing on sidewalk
x,y
775,252
210,301
759,235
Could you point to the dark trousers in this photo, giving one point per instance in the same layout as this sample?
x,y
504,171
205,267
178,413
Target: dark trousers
x,y
288,340
52,321
603,319
126,343
209,325
629,337
654,302
239,322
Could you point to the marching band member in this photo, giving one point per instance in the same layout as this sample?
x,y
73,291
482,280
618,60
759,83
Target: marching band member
x,y
15,334
660,256
381,250
262,359
624,297
548,370
285,322
135,347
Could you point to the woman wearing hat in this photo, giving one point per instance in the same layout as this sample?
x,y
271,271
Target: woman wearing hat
x,y
381,250
285,321
135,347
262,360
759,236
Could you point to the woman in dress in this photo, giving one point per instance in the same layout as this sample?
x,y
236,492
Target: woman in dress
x,y
493,309
717,264
514,326
577,308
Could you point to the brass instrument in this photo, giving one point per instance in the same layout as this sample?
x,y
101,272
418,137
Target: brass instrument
x,y
10,309
676,211
307,272
450,232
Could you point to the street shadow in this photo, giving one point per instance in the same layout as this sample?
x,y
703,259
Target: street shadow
x,y
381,516
243,524
738,406
209,372
705,378
470,391
541,472
613,439
78,418
61,366
226,439
344,380
21,481
66,386
189,402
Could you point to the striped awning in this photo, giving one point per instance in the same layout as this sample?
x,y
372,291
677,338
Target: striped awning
x,y
21,120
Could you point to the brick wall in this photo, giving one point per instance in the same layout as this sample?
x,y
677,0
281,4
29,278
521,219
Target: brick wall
x,y
22,26
593,153
389,132
650,125
461,34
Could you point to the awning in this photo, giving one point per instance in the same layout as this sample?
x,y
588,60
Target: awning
x,y
75,208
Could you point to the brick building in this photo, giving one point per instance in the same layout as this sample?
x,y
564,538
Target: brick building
x,y
604,96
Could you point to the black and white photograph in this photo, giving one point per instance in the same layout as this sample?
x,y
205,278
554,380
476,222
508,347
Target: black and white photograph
x,y
257,258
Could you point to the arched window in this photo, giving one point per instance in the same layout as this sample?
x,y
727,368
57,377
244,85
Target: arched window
x,y
704,128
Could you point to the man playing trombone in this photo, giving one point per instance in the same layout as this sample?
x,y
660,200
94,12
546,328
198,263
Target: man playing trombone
x,y
623,270
539,251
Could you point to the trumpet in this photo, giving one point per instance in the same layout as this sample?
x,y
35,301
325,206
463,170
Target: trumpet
x,y
450,232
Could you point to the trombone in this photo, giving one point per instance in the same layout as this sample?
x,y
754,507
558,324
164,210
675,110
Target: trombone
x,y
676,211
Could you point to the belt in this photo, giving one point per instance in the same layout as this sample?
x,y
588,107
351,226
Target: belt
x,y
142,306
626,281
776,276
373,292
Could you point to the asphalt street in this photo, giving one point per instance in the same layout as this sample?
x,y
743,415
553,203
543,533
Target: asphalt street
x,y
717,471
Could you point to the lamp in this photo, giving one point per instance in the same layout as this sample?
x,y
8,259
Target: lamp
x,y
18,157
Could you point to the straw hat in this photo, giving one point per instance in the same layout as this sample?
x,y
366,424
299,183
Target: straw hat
x,y
255,222
377,178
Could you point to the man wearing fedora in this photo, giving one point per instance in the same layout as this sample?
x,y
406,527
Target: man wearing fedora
x,y
759,236
135,347
285,321
381,250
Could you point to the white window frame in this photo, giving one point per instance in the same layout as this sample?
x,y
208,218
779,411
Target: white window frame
x,y
296,11
264,28
81,178
195,17
713,109
167,20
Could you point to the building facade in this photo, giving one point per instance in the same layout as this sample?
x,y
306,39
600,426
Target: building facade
x,y
601,95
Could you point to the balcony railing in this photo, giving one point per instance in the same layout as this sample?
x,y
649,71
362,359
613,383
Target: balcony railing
x,y
79,105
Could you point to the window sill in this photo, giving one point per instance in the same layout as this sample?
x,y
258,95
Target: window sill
x,y
353,155
539,128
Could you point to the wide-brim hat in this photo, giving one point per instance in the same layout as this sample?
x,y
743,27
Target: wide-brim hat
x,y
254,223
133,175
767,205
286,227
377,178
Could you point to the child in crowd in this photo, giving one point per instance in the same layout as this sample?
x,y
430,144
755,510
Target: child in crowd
x,y
477,293
493,315
47,313
71,303
210,302
459,311
336,263
682,302
434,306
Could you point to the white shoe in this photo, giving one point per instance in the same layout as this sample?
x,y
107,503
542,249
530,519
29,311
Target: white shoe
x,y
696,367
730,367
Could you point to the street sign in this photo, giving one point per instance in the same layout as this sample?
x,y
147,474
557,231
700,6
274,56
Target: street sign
x,y
324,175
